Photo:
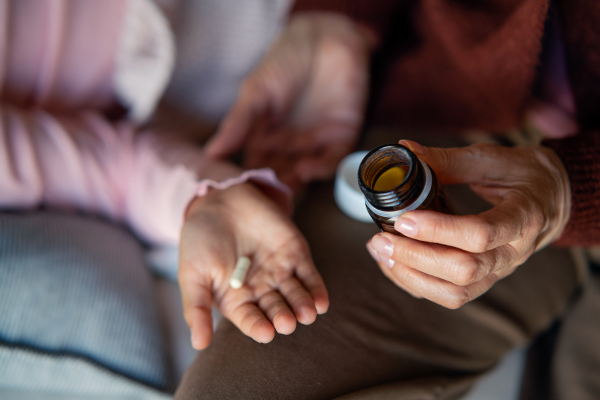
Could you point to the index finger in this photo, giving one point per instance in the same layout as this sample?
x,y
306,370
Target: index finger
x,y
507,222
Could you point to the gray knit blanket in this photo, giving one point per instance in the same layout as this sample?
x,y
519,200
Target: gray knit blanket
x,y
78,317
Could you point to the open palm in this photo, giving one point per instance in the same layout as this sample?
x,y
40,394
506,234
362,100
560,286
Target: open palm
x,y
282,285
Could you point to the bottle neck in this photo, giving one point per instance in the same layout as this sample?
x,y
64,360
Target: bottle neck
x,y
422,196
408,194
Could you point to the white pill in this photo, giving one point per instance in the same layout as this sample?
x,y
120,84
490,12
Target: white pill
x,y
239,272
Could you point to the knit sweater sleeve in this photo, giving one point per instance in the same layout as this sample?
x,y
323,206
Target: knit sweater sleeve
x,y
377,18
581,157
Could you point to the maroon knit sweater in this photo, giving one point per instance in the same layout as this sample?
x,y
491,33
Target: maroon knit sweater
x,y
472,63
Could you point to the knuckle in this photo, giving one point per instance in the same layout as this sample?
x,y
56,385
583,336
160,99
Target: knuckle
x,y
276,308
269,300
467,270
298,295
445,158
481,242
481,150
483,236
539,222
400,273
436,231
528,253
249,318
465,275
455,301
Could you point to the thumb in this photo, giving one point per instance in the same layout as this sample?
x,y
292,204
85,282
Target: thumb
x,y
197,309
456,165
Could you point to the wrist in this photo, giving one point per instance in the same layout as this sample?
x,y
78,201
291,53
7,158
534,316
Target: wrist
x,y
580,154
264,181
220,197
550,159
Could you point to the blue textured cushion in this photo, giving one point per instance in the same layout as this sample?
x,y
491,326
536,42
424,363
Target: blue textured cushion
x,y
77,308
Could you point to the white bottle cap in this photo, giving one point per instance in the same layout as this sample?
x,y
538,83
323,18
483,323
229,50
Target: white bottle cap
x,y
347,194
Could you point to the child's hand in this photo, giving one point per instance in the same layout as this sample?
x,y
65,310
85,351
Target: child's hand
x,y
282,284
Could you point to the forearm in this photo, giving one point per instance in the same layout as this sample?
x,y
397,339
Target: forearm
x,y
143,179
86,163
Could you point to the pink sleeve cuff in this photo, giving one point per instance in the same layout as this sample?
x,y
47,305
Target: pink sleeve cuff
x,y
264,178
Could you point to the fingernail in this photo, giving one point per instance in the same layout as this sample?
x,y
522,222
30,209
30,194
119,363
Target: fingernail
x,y
372,252
192,339
407,227
382,245
415,147
388,261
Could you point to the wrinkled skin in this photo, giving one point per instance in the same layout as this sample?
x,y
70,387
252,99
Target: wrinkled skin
x,y
299,113
451,259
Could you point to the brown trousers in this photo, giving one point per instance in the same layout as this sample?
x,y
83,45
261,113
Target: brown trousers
x,y
378,342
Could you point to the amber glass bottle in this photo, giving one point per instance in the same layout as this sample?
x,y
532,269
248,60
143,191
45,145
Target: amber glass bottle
x,y
394,181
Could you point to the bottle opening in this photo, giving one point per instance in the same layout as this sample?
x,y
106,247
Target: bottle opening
x,y
390,176
386,167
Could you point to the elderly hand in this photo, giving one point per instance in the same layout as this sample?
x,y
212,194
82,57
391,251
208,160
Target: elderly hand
x,y
301,109
282,285
451,259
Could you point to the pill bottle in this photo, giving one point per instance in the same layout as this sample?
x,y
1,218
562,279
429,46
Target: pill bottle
x,y
394,181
